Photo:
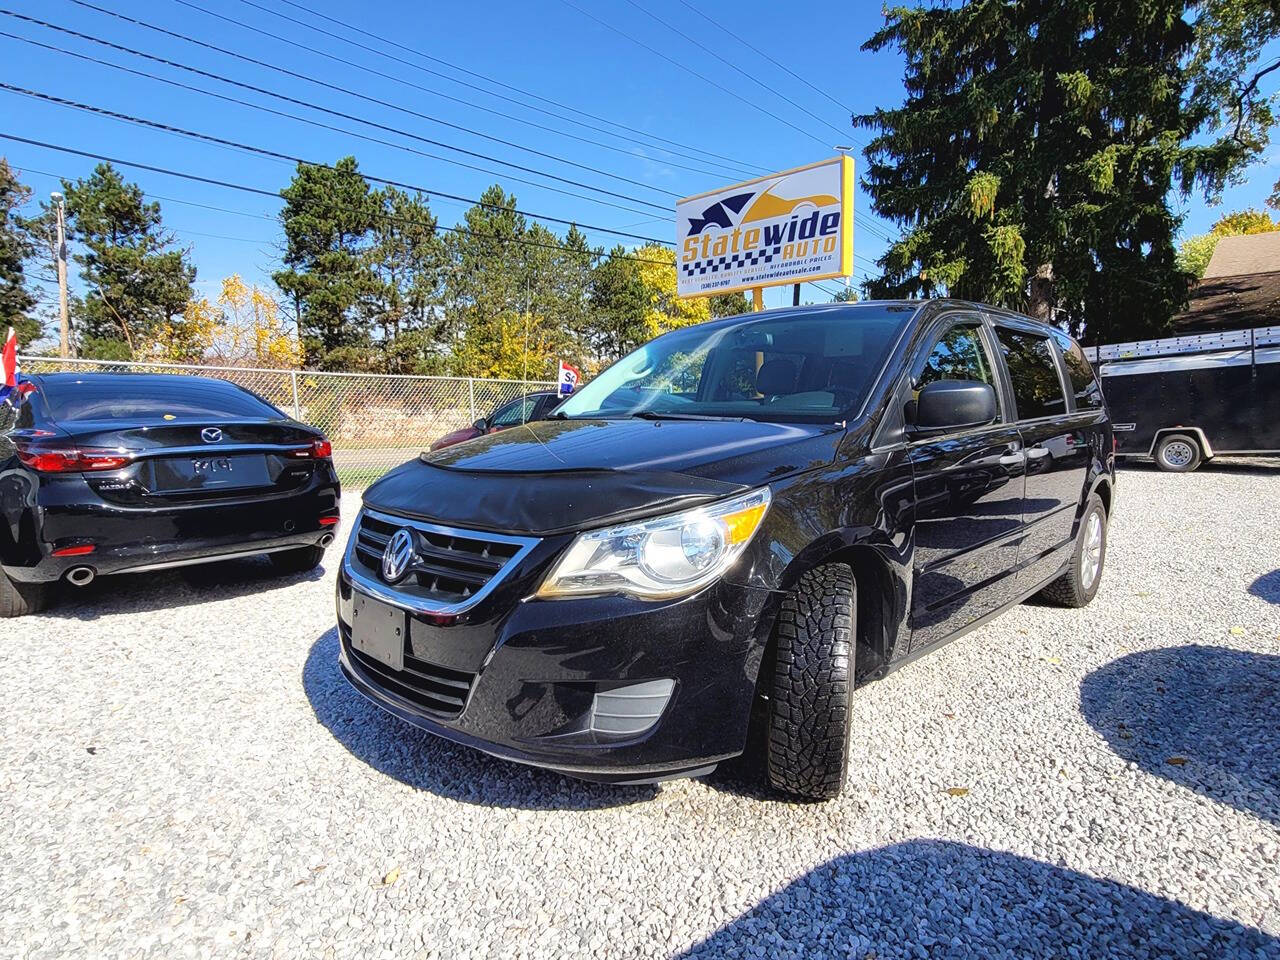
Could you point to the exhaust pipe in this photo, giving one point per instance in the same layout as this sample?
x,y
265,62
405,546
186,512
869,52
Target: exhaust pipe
x,y
81,576
326,539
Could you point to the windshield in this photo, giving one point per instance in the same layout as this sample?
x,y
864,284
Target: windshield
x,y
796,367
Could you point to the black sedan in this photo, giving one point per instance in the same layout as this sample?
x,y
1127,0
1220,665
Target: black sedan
x,y
117,473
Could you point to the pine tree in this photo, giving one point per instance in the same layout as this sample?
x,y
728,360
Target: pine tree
x,y
135,278
16,300
1032,162
328,218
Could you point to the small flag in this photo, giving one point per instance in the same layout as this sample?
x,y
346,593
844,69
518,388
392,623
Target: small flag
x,y
11,360
569,378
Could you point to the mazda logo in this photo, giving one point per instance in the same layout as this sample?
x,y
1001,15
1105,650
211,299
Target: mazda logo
x,y
210,434
397,555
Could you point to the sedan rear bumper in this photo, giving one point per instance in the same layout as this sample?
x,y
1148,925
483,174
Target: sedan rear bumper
x,y
134,540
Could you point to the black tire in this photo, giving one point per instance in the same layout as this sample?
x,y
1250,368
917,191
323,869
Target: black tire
x,y
1178,453
1075,588
809,709
17,599
298,560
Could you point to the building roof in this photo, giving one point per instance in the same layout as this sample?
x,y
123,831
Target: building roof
x,y
1234,256
1233,302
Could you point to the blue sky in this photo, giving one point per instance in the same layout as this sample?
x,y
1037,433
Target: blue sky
x,y
548,48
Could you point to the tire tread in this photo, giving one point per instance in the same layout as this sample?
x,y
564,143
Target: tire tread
x,y
812,684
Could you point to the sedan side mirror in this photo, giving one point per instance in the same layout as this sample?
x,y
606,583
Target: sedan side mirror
x,y
482,425
947,405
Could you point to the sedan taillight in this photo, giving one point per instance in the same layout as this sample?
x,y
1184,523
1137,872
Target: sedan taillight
x,y
71,459
320,449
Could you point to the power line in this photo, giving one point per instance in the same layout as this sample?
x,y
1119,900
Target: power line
x,y
733,66
685,68
781,66
470,104
261,191
314,123
384,103
310,11
275,155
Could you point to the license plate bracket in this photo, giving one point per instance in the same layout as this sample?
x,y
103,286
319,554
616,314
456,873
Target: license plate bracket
x,y
211,472
378,630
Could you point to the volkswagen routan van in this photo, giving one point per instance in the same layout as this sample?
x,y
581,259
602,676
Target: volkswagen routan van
x,y
739,523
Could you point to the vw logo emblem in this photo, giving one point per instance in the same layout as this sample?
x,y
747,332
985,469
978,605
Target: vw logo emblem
x,y
210,434
397,555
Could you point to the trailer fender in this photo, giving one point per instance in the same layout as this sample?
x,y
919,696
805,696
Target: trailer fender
x,y
1205,448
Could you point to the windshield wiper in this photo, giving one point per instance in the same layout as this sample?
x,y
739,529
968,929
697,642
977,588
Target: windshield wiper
x,y
655,415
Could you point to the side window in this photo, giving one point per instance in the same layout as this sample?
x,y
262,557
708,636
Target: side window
x,y
1083,382
1037,386
958,355
515,412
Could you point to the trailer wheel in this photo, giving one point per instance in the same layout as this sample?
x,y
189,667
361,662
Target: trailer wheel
x,y
1178,453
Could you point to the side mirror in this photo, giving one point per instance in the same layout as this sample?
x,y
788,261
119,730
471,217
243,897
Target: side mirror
x,y
482,425
947,405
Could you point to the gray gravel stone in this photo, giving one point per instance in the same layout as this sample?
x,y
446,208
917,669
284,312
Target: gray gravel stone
x,y
185,774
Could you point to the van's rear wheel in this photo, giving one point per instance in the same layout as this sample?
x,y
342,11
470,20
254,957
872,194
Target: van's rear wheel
x,y
17,598
809,709
1178,453
1079,583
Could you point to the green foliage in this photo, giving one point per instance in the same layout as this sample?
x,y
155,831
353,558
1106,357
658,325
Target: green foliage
x,y
16,247
730,305
1032,162
328,220
104,348
1195,252
135,279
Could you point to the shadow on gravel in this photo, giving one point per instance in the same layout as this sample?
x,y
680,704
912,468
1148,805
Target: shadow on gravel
x,y
1267,587
167,590
930,898
427,762
1203,717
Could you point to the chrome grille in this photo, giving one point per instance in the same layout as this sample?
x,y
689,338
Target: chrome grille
x,y
451,569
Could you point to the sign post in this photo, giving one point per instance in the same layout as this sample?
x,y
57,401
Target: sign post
x,y
785,228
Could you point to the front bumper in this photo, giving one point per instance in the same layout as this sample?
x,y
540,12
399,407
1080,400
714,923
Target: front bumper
x,y
536,674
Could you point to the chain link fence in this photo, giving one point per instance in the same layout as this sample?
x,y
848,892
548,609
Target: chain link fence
x,y
375,421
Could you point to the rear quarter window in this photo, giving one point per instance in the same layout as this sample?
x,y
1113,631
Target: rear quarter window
x,y
104,397
1084,384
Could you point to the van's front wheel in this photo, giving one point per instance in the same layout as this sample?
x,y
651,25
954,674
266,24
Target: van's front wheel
x,y
809,707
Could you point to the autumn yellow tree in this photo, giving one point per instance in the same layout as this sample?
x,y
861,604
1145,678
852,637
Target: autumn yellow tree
x,y
666,310
241,328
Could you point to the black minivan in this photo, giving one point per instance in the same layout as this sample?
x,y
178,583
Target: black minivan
x,y
740,522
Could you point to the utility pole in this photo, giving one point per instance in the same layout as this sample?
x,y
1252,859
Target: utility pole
x,y
64,338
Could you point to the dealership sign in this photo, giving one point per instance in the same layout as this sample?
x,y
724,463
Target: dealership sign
x,y
788,227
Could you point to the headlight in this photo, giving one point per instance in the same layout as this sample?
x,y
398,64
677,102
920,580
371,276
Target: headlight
x,y
662,558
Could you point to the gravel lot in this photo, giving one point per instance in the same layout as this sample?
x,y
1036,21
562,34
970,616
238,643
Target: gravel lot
x,y
185,773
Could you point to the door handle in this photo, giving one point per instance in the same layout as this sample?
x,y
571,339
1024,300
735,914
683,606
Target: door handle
x,y
1011,460
1037,453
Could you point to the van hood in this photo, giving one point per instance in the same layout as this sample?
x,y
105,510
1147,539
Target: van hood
x,y
558,476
